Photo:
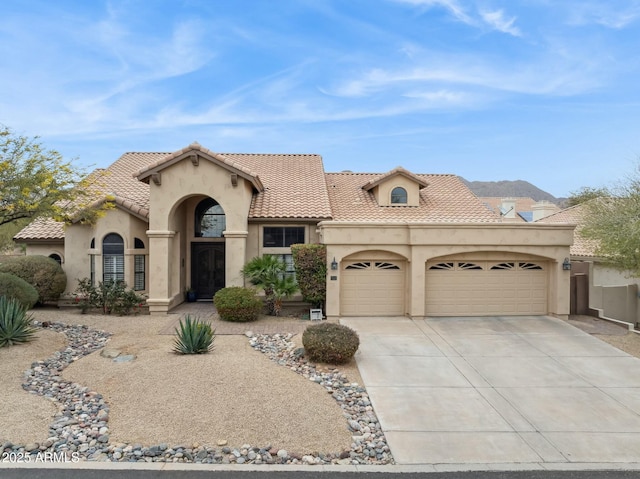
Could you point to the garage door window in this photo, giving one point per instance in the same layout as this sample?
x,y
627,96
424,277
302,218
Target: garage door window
x,y
468,266
373,265
459,266
443,266
503,266
530,266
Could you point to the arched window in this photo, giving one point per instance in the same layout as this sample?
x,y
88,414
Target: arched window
x,y
398,196
56,257
112,258
210,221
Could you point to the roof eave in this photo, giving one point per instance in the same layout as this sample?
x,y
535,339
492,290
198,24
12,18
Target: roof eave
x,y
407,174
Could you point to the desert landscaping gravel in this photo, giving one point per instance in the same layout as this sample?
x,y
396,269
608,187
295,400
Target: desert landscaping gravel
x,y
233,405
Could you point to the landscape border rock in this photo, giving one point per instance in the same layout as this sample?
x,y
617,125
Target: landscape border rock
x,y
80,428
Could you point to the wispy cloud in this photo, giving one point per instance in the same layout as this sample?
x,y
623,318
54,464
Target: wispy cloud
x,y
497,21
494,20
452,6
616,15
554,75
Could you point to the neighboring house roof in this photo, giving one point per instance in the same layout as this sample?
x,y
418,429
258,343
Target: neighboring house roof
x,y
399,170
445,199
581,247
523,203
523,207
526,215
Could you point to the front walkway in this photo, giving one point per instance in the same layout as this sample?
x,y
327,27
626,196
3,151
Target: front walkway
x,y
206,311
529,390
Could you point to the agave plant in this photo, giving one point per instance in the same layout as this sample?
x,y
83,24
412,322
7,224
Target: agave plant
x,y
193,337
15,324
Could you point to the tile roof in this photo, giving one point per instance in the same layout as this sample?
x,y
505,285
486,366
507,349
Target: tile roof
x,y
294,186
573,215
445,199
41,229
222,159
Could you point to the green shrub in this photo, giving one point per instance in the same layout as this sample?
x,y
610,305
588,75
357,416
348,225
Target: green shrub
x,y
41,272
269,273
193,337
330,343
13,287
109,297
15,324
237,304
310,262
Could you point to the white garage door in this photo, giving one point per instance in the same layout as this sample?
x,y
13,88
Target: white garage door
x,y
372,288
481,288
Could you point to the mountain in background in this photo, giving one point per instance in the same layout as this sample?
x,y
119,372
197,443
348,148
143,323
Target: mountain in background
x,y
505,189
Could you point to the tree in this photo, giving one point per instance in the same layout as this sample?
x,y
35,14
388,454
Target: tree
x,y
586,193
37,182
613,221
268,272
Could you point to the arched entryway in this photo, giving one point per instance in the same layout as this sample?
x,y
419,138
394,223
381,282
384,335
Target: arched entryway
x,y
208,249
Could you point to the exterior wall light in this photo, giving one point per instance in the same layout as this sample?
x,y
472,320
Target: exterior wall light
x,y
334,264
566,265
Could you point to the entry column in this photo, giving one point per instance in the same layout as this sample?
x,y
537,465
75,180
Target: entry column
x,y
235,256
160,270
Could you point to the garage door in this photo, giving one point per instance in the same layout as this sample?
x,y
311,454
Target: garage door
x,y
477,288
372,288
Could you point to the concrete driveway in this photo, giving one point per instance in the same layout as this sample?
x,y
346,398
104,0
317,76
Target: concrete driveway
x,y
529,390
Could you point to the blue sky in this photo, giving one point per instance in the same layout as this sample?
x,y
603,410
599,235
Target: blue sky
x,y
540,90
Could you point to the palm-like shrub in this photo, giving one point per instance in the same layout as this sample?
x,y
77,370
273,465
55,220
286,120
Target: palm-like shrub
x,y
237,304
269,273
13,287
330,343
282,288
15,324
193,337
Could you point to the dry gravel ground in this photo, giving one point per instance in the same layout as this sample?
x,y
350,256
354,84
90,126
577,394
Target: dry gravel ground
x,y
25,417
235,393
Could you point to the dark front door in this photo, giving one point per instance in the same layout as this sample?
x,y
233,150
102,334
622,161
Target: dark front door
x,y
207,269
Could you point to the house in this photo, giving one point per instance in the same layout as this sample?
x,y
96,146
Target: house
x,y
519,208
596,288
398,243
